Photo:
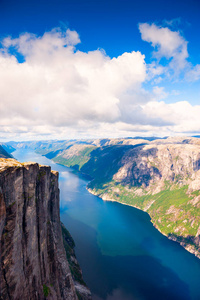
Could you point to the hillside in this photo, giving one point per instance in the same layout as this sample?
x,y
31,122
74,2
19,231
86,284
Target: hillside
x,y
161,177
4,153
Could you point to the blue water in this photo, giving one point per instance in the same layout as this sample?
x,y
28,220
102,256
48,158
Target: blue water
x,y
123,257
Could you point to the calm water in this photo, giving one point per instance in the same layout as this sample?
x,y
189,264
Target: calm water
x,y
123,257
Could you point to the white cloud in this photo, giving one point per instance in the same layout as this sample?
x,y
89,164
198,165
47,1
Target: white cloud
x,y
167,43
32,46
60,92
183,116
159,93
59,86
193,74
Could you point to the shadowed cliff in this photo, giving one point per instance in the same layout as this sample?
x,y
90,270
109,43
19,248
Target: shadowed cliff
x,y
33,259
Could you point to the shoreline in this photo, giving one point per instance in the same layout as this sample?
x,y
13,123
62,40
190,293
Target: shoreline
x,y
188,247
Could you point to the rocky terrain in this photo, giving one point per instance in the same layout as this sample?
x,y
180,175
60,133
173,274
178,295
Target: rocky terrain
x,y
160,176
34,262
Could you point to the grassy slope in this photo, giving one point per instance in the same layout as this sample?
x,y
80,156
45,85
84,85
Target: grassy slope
x,y
76,161
171,210
99,163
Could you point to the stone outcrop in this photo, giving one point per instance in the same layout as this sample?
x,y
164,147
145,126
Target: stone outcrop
x,y
33,259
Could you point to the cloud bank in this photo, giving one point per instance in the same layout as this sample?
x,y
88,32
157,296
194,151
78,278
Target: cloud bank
x,y
48,88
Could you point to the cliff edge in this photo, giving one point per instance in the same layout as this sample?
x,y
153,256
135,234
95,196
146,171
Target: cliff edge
x,y
33,259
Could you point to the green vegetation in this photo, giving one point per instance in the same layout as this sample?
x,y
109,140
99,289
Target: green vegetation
x,y
196,193
69,249
79,295
103,164
178,177
41,174
12,204
99,163
173,213
170,210
186,240
46,290
77,161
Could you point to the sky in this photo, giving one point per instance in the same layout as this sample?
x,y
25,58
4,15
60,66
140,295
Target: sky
x,y
99,68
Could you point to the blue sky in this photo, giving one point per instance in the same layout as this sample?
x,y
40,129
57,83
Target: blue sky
x,y
104,39
111,25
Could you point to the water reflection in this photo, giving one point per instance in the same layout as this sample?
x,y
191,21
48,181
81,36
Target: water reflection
x,y
117,294
137,277
66,184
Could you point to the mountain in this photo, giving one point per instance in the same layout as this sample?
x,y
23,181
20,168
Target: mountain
x,y
47,146
8,148
161,177
35,264
4,153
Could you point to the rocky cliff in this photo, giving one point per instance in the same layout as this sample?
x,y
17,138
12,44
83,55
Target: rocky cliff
x,y
33,258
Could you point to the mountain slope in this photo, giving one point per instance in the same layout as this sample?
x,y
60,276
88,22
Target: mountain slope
x,y
161,177
4,153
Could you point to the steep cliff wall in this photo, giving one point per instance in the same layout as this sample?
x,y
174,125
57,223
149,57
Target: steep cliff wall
x,y
33,260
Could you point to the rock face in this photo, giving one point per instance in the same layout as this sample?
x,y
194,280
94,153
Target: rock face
x,y
153,165
82,290
33,259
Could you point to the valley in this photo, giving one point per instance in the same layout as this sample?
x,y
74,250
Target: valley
x,y
161,177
